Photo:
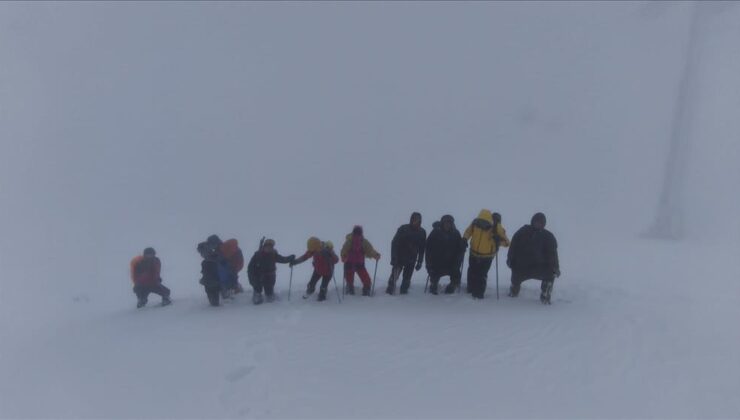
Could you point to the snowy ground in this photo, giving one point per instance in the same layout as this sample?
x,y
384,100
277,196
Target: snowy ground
x,y
624,338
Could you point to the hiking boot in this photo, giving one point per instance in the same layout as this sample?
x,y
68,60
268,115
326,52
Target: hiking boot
x,y
450,289
310,289
257,298
322,295
270,297
365,291
513,292
404,291
351,289
166,301
141,303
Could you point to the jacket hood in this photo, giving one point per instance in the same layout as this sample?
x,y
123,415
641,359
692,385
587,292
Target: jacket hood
x,y
414,215
486,215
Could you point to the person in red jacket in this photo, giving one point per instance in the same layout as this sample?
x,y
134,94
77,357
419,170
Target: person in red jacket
x,y
324,260
145,274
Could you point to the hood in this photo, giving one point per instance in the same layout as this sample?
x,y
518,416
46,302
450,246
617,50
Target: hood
x,y
486,215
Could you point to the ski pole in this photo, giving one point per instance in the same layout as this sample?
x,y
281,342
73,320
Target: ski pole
x,y
497,275
462,268
290,284
426,285
336,288
374,274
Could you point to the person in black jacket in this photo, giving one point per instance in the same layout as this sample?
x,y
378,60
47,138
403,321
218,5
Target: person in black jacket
x,y
209,269
261,271
534,255
445,250
407,252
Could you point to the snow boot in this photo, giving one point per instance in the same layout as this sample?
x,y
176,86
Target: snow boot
x,y
546,292
513,292
351,289
141,303
404,290
166,301
270,297
450,289
366,291
322,295
257,298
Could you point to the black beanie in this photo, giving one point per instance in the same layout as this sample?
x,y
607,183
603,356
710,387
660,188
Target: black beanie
x,y
539,217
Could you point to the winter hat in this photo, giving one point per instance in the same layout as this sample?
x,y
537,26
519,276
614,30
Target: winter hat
x,y
329,244
149,252
268,242
415,215
313,244
214,239
357,230
447,218
539,217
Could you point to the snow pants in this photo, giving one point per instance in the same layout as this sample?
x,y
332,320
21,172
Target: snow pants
x,y
142,291
349,274
407,270
478,275
325,280
436,274
519,276
264,282
213,294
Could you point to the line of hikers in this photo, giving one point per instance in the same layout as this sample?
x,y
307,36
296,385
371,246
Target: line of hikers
x,y
532,255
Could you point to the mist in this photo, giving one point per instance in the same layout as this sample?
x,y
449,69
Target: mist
x,y
128,124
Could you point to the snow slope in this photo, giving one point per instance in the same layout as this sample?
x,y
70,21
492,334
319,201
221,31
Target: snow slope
x,y
125,125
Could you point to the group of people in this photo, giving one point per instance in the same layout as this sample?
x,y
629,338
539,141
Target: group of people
x,y
532,255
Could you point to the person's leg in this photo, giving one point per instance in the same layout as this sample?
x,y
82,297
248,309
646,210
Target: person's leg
x,y
349,277
312,282
546,288
256,283
142,293
365,279
213,294
268,283
408,271
324,286
484,265
517,277
391,289
433,281
471,279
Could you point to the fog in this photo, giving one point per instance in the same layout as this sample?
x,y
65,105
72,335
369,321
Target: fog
x,y
125,125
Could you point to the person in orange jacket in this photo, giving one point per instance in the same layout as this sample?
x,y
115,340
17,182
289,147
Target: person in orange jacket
x,y
145,274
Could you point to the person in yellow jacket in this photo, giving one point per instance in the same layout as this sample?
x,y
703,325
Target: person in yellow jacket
x,y
485,235
356,248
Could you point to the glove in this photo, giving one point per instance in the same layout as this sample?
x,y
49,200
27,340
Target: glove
x,y
292,259
377,257
418,266
557,273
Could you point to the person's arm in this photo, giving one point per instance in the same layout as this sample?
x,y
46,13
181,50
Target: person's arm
x,y
302,258
468,232
370,252
503,240
252,267
284,260
553,254
394,245
345,249
421,247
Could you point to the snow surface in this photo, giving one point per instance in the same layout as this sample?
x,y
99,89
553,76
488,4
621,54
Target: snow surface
x,y
126,125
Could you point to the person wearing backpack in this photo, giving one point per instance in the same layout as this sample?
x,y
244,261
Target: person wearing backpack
x,y
485,235
262,271
145,274
534,255
354,251
209,270
407,251
324,260
230,262
445,250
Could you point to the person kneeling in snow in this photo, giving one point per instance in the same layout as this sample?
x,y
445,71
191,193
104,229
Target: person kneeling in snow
x,y
445,252
534,255
324,260
356,248
145,274
209,269
261,271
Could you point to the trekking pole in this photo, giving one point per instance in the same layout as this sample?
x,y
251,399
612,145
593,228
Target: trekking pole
x,y
336,288
426,285
372,293
497,275
462,268
290,284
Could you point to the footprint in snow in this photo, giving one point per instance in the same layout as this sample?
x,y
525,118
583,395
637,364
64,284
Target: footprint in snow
x,y
239,373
